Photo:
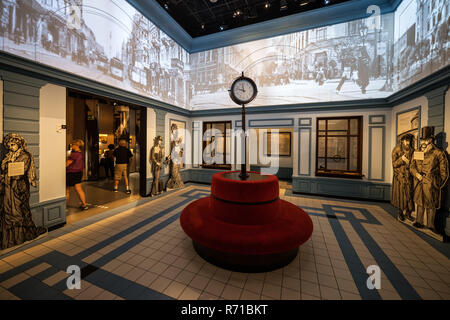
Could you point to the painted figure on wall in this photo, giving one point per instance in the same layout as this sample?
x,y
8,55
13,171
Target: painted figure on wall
x,y
402,182
175,158
430,170
157,161
18,172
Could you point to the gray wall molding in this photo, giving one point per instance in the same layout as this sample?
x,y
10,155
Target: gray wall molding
x,y
348,188
300,129
436,108
377,119
383,162
21,114
304,122
275,123
49,213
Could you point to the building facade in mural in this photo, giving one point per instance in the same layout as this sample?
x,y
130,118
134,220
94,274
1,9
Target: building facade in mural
x,y
402,182
18,172
430,171
122,48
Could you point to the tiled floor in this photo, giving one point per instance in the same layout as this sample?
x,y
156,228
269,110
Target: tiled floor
x,y
142,253
100,197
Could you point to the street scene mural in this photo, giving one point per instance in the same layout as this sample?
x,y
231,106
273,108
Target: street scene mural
x,y
110,42
104,40
361,59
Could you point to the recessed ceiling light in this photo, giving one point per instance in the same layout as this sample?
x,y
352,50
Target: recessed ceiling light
x,y
222,28
304,3
326,1
203,26
267,5
283,5
166,5
213,1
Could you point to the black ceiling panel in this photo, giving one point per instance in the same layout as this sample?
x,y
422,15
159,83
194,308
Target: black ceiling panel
x,y
203,17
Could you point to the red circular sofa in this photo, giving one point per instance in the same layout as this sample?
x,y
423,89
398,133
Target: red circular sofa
x,y
244,225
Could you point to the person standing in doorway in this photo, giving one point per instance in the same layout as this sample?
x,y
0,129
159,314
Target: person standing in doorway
x,y
123,157
74,172
109,156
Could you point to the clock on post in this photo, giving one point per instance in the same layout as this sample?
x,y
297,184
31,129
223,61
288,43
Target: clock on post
x,y
243,91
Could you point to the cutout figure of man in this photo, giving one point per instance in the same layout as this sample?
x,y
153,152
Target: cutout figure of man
x,y
402,182
430,170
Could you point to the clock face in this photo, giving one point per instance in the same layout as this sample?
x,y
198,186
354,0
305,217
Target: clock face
x,y
243,90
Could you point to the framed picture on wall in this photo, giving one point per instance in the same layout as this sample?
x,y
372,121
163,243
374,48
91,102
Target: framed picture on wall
x,y
284,143
177,135
408,122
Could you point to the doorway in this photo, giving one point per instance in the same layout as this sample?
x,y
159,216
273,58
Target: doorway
x,y
101,123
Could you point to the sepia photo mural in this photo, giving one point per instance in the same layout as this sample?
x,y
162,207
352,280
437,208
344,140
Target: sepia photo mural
x,y
104,40
360,59
110,42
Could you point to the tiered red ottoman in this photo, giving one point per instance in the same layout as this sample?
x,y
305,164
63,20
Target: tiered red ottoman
x,y
244,225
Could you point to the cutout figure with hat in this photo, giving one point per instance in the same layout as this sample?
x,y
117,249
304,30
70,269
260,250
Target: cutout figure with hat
x,y
430,171
402,181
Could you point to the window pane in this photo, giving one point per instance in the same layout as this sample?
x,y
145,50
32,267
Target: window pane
x,y
337,124
353,153
321,147
336,164
220,127
321,163
322,124
354,126
337,152
337,147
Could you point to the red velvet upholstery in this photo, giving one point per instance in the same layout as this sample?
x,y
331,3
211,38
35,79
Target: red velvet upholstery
x,y
290,230
230,226
244,191
244,213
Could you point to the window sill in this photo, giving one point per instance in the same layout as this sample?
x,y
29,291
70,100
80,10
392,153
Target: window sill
x,y
216,166
339,174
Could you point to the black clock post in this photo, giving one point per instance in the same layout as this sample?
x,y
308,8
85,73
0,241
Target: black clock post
x,y
242,97
244,175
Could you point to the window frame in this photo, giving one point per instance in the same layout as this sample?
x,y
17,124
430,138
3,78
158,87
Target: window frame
x,y
355,174
223,166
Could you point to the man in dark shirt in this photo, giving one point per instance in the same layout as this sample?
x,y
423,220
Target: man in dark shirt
x,y
123,157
